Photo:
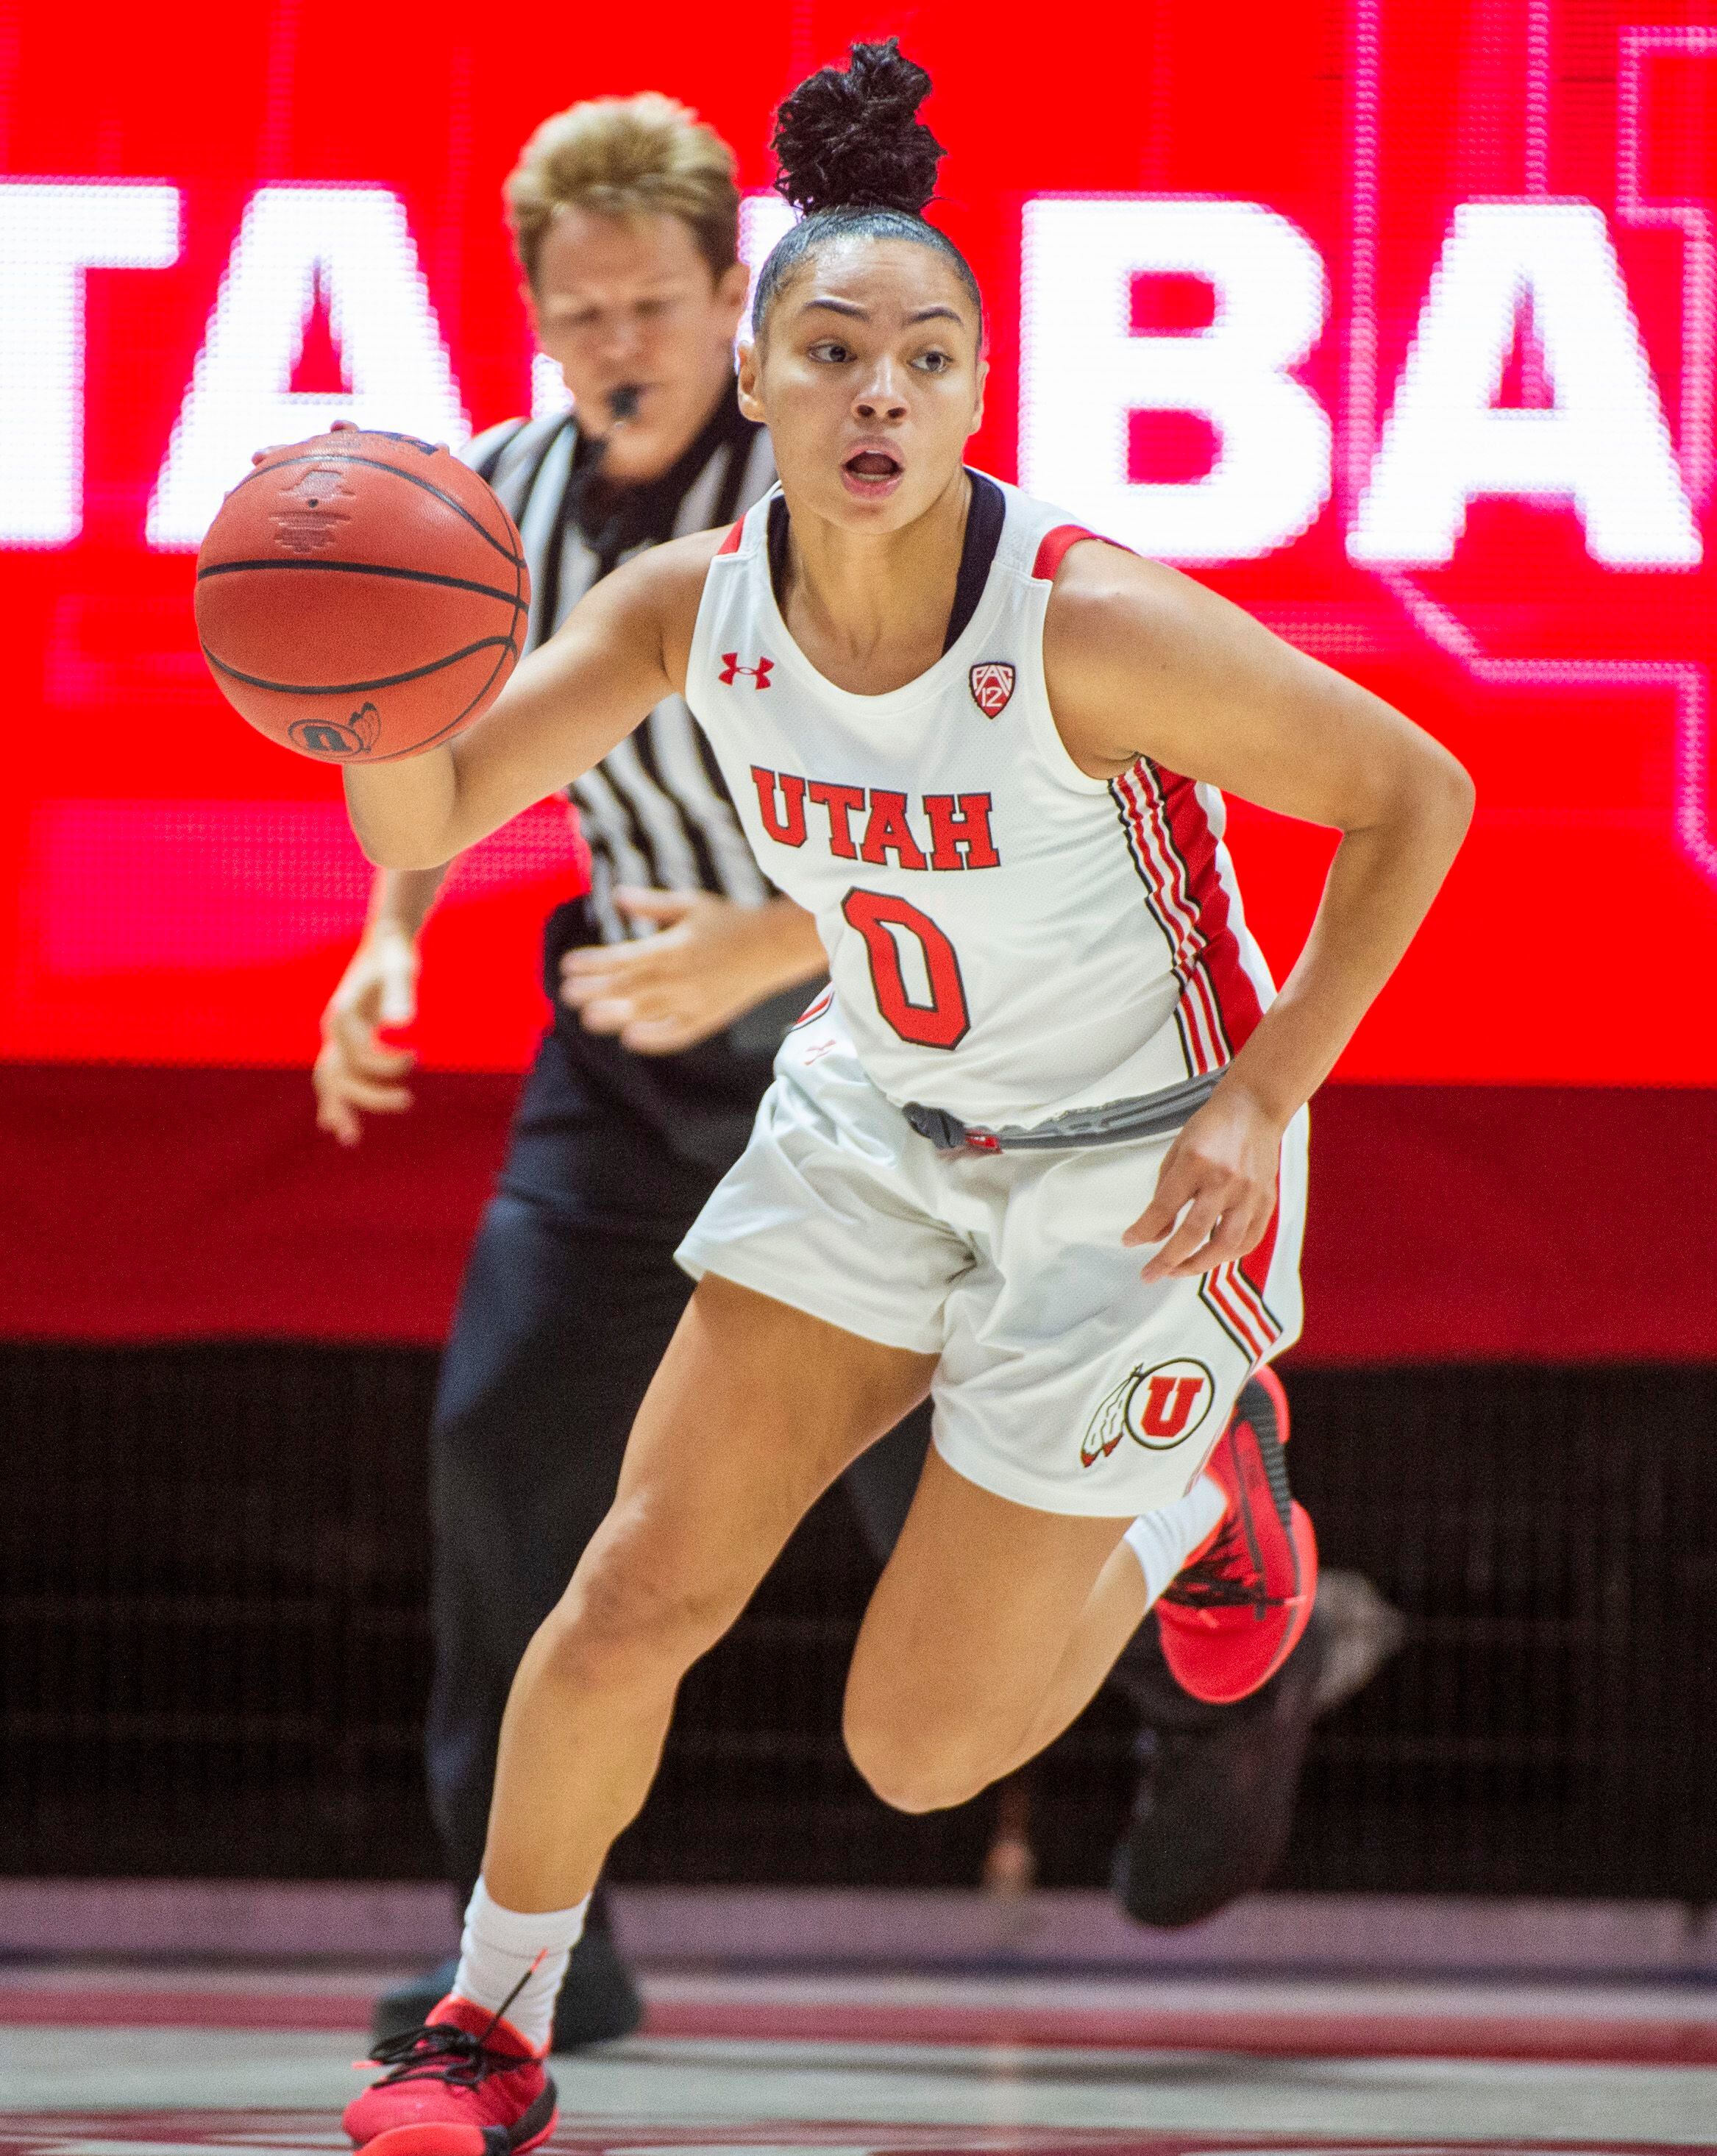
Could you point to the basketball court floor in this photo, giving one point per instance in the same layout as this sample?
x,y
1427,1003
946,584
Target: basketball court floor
x,y
117,2061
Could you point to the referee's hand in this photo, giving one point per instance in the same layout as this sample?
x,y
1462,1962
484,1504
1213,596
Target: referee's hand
x,y
709,963
356,1073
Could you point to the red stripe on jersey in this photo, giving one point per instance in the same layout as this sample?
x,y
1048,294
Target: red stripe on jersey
x,y
1241,1295
1139,852
730,544
1191,1021
1254,1268
1052,549
1238,1321
1195,985
1208,1295
1203,1011
1243,1291
818,1005
1190,833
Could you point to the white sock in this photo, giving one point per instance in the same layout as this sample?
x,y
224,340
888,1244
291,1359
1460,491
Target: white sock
x,y
498,1947
1162,1541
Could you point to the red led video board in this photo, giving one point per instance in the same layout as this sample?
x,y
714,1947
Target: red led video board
x,y
1395,322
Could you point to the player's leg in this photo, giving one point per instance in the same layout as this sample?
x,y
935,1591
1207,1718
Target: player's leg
x,y
994,1623
883,1481
1082,1437
569,1299
560,1327
1231,1570
814,1249
1214,1802
1203,1827
756,1409
991,1620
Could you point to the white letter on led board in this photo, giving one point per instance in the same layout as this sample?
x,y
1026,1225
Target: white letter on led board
x,y
1084,371
354,242
51,232
1602,443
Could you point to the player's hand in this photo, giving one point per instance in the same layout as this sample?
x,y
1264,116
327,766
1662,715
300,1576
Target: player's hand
x,y
358,1074
708,963
339,426
1216,1189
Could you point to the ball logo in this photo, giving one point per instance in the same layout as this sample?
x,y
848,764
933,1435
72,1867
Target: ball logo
x,y
353,735
991,685
309,516
1158,1408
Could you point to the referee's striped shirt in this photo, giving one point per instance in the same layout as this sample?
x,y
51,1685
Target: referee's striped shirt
x,y
655,810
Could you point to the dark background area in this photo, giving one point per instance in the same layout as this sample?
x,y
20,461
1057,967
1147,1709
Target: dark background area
x,y
214,1649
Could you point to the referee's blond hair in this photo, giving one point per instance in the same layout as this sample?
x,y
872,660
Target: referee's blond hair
x,y
626,156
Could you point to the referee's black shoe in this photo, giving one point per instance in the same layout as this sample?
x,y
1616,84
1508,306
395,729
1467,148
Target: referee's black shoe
x,y
1217,1786
599,2000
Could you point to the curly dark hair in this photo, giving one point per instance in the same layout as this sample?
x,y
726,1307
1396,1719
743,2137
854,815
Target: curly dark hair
x,y
858,161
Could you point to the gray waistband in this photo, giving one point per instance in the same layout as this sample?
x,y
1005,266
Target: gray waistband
x,y
1146,1115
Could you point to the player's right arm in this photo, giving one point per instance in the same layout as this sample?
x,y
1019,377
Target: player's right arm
x,y
621,650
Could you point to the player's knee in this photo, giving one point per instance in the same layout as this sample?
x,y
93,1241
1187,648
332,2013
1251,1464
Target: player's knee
x,y
620,1621
915,1769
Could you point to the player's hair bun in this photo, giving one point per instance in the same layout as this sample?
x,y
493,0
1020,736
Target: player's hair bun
x,y
850,137
860,164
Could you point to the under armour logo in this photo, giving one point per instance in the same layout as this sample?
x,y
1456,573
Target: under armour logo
x,y
732,669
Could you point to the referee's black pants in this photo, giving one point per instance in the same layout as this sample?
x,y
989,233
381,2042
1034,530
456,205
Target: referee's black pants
x,y
570,1297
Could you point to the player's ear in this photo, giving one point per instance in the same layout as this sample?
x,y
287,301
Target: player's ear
x,y
731,287
982,376
749,371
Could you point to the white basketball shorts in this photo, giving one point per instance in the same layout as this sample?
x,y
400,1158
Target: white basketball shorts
x,y
1064,1381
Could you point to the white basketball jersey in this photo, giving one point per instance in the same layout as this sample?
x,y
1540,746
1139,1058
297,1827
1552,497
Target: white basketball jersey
x,y
1007,937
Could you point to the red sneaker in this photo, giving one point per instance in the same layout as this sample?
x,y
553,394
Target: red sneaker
x,y
464,2084
1236,1611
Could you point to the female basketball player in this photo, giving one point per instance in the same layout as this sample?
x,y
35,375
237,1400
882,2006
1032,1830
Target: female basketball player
x,y
957,736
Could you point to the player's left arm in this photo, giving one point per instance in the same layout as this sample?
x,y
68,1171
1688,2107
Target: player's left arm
x,y
1142,661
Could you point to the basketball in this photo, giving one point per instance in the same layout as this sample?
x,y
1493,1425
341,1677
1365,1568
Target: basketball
x,y
362,596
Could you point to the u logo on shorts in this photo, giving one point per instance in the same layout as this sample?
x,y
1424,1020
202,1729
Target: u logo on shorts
x,y
1159,1408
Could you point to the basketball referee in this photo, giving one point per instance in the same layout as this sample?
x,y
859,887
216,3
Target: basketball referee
x,y
673,981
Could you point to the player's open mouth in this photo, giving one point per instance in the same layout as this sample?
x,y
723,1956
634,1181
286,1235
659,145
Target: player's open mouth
x,y
870,473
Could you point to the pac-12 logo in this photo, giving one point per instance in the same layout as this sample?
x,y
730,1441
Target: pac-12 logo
x,y
1158,1408
732,669
349,736
991,685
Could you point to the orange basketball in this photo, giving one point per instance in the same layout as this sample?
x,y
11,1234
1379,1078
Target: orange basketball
x,y
362,596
